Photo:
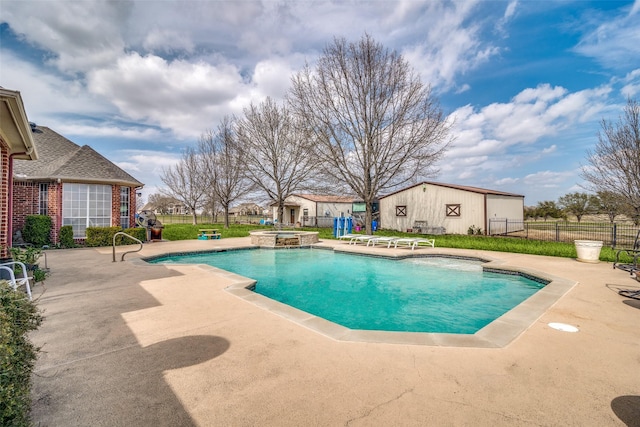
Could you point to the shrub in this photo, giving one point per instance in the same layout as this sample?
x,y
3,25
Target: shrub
x,y
103,236
18,316
100,236
37,230
139,233
29,256
66,237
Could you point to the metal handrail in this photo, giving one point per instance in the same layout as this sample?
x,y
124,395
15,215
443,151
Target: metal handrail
x,y
128,252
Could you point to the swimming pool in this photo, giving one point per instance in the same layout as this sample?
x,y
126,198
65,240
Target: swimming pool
x,y
431,294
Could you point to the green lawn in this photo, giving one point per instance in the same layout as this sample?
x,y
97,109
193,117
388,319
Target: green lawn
x,y
499,244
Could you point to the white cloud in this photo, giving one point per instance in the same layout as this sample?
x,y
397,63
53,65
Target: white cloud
x,y
166,40
79,35
506,181
547,179
185,97
450,45
106,130
145,165
614,43
41,90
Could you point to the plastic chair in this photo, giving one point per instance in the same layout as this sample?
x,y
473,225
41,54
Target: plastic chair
x,y
16,281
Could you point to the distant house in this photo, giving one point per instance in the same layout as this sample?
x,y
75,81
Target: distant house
x,y
174,207
246,209
314,210
448,208
16,144
73,185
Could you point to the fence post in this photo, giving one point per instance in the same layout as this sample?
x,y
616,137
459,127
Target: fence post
x,y
557,232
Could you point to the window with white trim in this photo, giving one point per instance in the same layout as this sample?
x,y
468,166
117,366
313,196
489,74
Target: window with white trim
x,y
86,205
124,207
43,199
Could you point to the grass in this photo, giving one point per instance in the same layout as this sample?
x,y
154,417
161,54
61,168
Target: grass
x,y
498,244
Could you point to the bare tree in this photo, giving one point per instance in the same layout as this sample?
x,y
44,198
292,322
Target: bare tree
x,y
614,163
276,155
224,165
185,181
375,125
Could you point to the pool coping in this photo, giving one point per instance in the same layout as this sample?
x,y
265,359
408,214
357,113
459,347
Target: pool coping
x,y
497,334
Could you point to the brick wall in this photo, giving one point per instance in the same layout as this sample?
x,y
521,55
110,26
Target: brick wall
x,y
4,198
54,210
115,205
25,202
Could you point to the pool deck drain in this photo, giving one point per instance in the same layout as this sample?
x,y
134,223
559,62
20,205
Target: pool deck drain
x,y
130,343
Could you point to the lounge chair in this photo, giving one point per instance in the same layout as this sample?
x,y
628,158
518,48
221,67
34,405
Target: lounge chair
x,y
634,252
7,268
348,236
360,238
413,242
381,239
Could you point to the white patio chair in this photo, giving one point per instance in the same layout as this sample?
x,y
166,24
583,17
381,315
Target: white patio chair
x,y
16,281
413,242
382,239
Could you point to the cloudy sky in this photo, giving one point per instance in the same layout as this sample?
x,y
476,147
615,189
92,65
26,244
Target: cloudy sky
x,y
527,82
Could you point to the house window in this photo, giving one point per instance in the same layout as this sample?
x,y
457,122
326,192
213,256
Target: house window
x,y
86,205
453,210
401,211
43,199
124,207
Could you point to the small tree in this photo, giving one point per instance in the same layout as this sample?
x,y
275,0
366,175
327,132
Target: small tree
x,y
276,155
578,204
224,166
547,209
185,181
614,163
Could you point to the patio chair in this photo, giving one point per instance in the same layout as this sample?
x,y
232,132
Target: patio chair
x,y
357,238
413,242
381,239
8,273
633,252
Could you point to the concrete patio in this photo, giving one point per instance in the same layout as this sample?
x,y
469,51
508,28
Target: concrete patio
x,y
128,343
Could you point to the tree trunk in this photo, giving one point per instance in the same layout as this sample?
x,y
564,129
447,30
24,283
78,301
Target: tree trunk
x,y
226,216
194,215
368,218
280,213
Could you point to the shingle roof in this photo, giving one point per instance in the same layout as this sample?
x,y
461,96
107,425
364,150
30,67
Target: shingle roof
x,y
60,158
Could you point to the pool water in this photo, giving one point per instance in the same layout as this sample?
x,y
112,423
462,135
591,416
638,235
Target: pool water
x,y
434,294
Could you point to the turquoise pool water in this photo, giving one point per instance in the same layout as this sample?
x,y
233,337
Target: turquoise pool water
x,y
439,295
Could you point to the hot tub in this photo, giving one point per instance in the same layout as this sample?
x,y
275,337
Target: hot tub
x,y
276,239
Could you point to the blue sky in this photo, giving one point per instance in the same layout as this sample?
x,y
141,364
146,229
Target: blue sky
x,y
525,82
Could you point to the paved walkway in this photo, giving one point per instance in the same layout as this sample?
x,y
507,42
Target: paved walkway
x,y
128,343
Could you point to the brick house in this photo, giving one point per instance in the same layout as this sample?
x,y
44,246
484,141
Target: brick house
x,y
16,142
73,185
